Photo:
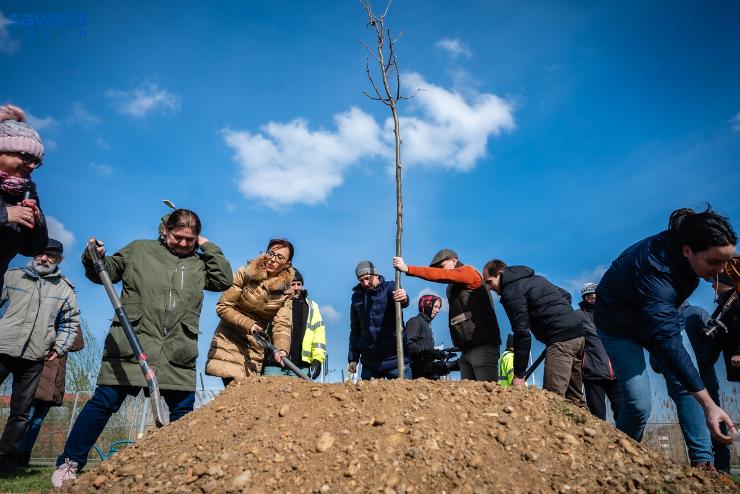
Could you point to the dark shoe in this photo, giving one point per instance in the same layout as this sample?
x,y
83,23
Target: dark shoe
x,y
707,467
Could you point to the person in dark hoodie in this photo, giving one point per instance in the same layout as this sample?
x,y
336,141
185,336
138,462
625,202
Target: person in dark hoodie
x,y
599,380
534,304
473,325
421,338
638,307
372,337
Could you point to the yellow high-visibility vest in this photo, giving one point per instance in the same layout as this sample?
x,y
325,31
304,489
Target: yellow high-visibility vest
x,y
506,368
314,340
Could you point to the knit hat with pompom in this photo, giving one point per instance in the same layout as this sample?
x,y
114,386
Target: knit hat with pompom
x,y
16,136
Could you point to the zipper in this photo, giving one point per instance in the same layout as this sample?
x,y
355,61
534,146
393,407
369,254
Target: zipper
x,y
171,304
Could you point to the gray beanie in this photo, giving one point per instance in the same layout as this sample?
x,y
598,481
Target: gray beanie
x,y
16,136
365,267
443,255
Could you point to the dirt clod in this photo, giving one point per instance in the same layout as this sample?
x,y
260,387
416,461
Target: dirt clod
x,y
404,437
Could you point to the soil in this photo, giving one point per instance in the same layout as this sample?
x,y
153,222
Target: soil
x,y
281,434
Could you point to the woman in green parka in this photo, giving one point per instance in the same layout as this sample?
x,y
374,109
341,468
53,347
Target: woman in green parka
x,y
163,282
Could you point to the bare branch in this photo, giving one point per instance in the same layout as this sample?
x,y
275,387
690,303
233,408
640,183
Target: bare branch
x,y
370,77
370,51
385,13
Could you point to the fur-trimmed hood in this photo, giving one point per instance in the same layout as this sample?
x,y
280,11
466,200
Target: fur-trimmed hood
x,y
256,271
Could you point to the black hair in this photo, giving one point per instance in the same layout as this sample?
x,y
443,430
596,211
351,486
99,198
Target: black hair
x,y
700,231
281,242
494,267
183,218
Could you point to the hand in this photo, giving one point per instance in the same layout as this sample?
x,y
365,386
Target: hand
x,y
21,215
519,382
400,295
256,328
735,360
51,355
400,265
352,367
202,240
715,416
31,203
315,369
99,247
279,356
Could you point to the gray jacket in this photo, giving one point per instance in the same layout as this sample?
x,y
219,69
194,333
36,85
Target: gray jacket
x,y
37,314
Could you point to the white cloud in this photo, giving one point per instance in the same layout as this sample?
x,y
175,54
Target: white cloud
x,y
39,123
8,44
59,232
289,163
453,47
102,169
230,207
144,99
329,313
735,122
102,143
414,304
451,130
81,117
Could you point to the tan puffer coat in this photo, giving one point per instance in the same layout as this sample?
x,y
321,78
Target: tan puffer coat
x,y
252,299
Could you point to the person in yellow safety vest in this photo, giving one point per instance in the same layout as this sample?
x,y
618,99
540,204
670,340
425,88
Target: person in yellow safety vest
x,y
308,335
506,363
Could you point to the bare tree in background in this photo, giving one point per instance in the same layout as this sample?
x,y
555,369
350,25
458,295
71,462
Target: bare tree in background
x,y
387,67
83,366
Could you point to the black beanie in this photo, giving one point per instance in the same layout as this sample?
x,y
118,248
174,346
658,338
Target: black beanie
x,y
55,246
297,276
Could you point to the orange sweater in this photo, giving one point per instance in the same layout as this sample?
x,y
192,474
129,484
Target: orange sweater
x,y
464,275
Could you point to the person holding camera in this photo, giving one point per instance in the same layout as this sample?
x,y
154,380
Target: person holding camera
x,y
22,223
260,297
421,340
638,307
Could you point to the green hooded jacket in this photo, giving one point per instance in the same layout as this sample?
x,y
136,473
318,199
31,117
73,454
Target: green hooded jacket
x,y
163,296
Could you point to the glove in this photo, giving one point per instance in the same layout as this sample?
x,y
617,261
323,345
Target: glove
x,y
315,369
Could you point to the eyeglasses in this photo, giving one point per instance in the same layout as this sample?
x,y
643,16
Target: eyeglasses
x,y
29,160
275,255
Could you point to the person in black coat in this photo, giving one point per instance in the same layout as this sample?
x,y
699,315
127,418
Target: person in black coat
x,y
638,307
534,304
599,380
22,224
421,338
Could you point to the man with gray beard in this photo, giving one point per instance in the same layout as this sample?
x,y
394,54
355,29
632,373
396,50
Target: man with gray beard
x,y
38,321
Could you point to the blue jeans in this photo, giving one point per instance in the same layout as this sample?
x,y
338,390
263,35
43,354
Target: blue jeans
x,y
105,402
707,351
368,373
628,361
36,415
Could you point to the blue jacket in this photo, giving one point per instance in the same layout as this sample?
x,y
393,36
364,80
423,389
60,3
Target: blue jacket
x,y
640,297
372,337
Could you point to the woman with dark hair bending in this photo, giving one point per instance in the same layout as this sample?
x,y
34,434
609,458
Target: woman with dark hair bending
x,y
260,300
638,307
163,283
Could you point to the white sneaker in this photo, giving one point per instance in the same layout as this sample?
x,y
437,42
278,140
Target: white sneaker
x,y
66,471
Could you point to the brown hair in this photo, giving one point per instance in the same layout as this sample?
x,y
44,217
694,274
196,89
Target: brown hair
x,y
183,218
494,267
281,242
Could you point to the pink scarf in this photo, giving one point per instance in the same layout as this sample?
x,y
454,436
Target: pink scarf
x,y
13,185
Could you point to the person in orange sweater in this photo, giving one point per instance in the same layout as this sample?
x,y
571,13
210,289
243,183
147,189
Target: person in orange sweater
x,y
473,325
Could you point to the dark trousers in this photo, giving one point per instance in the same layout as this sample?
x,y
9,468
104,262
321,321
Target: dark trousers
x,y
26,377
480,363
563,369
597,391
105,402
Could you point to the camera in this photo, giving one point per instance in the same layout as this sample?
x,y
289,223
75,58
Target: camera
x,y
715,328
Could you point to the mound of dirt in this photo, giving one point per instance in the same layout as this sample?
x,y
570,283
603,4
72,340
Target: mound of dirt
x,y
285,435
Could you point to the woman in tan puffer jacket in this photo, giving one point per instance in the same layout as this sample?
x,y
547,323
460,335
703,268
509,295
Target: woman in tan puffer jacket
x,y
260,299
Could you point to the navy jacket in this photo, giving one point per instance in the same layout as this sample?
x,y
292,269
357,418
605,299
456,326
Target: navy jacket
x,y
372,337
15,239
595,364
639,298
533,303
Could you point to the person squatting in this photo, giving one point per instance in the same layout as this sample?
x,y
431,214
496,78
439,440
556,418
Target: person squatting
x,y
639,304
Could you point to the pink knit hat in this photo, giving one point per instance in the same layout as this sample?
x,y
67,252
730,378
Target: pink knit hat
x,y
16,136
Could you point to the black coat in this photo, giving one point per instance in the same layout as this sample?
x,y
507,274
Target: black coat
x,y
15,239
421,345
534,304
595,364
639,298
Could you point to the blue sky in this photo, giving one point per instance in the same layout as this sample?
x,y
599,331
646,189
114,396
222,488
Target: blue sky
x,y
552,134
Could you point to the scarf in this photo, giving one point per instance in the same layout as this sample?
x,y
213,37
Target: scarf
x,y
13,185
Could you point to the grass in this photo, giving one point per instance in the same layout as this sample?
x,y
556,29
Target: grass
x,y
35,479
